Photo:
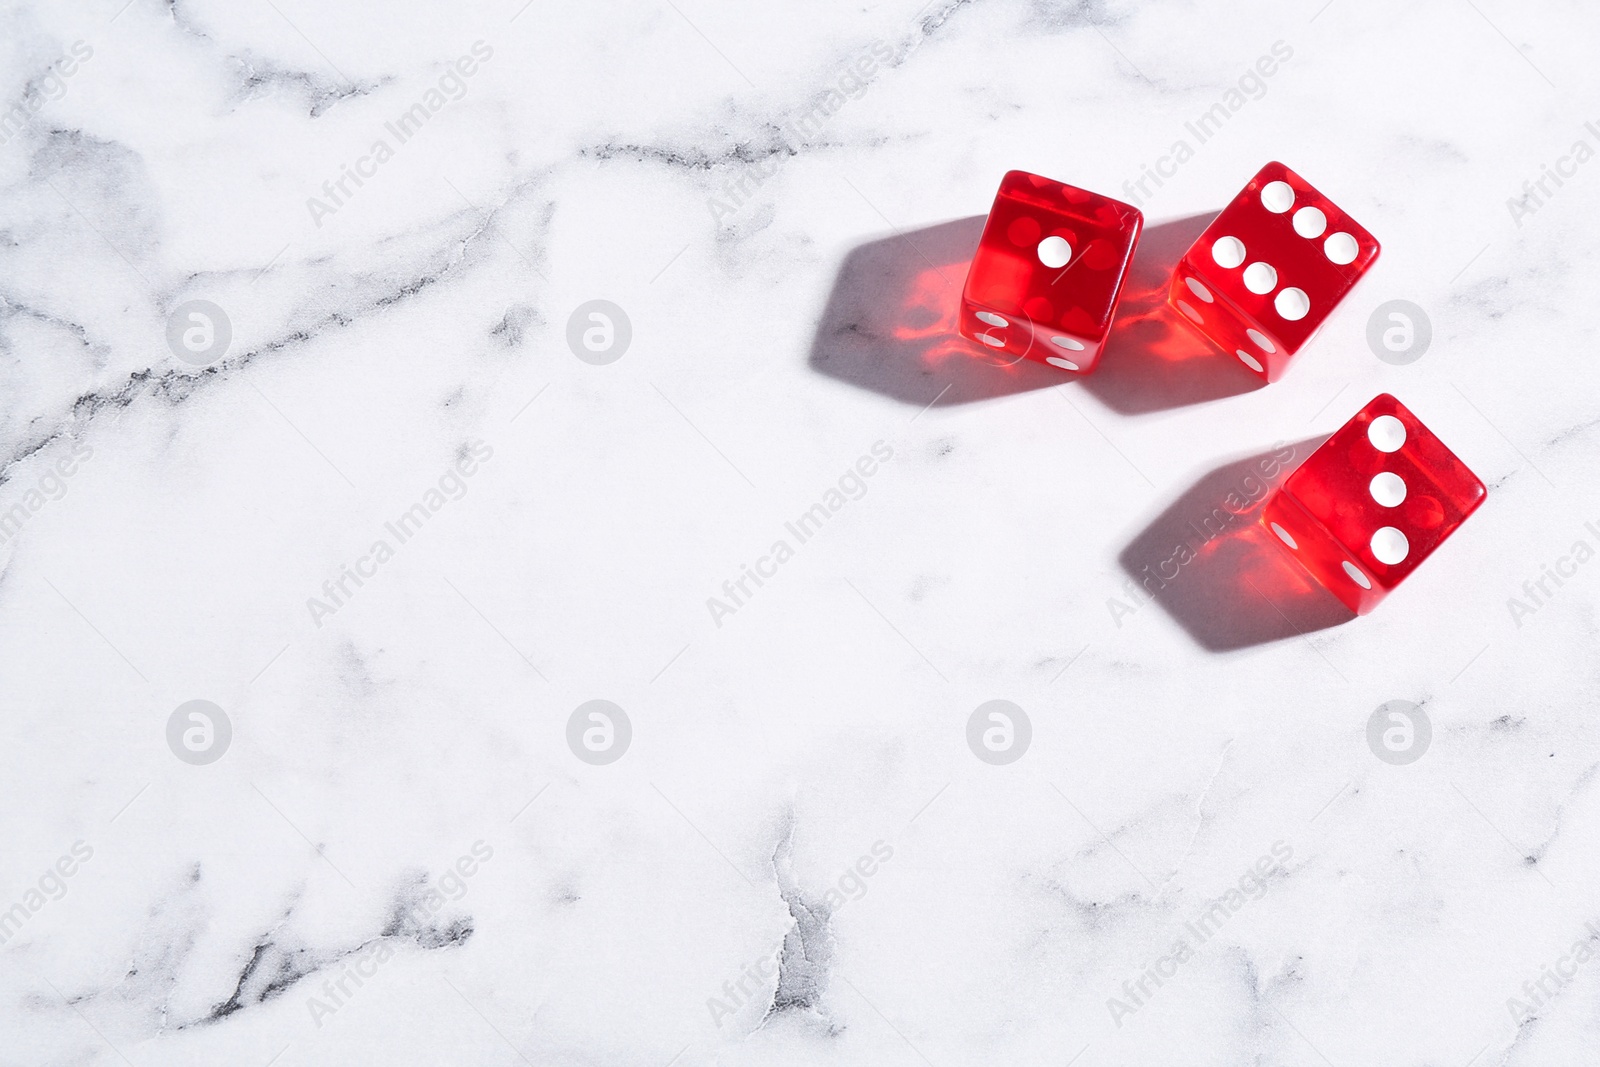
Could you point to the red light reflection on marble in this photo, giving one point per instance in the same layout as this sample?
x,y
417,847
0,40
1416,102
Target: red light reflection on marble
x,y
929,316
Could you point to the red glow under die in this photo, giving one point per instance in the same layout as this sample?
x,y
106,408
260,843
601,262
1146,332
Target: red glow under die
x,y
1364,510
1048,270
1270,269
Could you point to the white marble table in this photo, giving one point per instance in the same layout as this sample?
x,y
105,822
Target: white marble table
x,y
373,509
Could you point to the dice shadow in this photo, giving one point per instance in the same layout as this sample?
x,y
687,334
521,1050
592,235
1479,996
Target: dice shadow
x,y
1153,360
890,324
1235,586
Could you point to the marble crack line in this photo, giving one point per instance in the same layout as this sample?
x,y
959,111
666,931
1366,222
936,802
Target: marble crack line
x,y
1568,434
76,329
739,155
1200,816
491,216
177,385
283,968
1537,852
930,25
321,93
806,957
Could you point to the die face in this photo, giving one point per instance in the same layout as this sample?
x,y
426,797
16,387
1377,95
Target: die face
x,y
1385,491
1317,551
1284,256
1048,270
1020,337
1226,325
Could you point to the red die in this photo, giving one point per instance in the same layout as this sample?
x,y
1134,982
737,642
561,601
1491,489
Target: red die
x,y
1365,509
1047,272
1270,269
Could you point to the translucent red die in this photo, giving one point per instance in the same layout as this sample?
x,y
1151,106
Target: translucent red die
x,y
1045,279
1270,269
1365,509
